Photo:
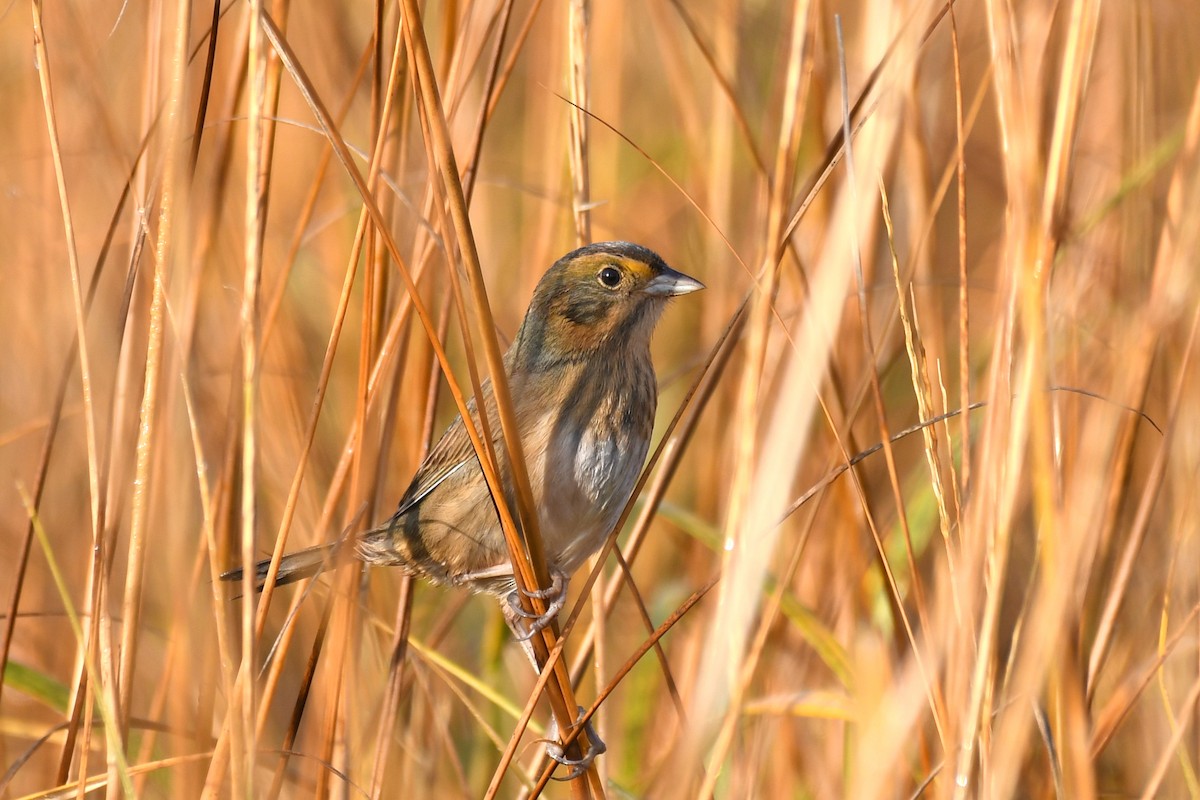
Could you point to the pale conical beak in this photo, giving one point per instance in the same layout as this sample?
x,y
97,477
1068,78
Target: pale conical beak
x,y
669,283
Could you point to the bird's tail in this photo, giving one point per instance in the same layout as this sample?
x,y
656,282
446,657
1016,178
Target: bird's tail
x,y
298,565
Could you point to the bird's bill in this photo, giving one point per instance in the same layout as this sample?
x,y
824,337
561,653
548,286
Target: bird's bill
x,y
669,283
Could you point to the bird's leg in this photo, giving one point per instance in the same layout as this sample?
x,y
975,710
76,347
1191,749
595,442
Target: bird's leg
x,y
518,619
554,750
525,625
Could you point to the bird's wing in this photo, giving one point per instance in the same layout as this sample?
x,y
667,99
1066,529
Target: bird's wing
x,y
452,455
426,481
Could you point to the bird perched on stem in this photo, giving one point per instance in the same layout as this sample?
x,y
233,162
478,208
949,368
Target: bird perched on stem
x,y
584,395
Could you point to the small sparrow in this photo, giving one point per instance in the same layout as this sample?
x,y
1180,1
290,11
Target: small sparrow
x,y
584,395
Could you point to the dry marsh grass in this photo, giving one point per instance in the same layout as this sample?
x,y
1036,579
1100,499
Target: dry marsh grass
x,y
216,344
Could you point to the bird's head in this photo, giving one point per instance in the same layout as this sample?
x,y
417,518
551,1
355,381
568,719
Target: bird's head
x,y
603,296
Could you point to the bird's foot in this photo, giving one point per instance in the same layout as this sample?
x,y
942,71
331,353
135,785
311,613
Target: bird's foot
x,y
578,766
556,595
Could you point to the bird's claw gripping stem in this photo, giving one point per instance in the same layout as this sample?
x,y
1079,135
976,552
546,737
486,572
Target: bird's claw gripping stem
x,y
556,594
578,766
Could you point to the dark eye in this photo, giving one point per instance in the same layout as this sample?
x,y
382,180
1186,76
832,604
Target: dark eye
x,y
610,277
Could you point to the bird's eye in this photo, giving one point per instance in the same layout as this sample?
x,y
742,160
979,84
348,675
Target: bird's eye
x,y
610,277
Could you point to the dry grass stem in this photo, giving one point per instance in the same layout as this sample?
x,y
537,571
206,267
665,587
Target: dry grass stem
x,y
920,515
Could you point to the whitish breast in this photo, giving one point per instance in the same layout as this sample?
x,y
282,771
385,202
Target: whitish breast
x,y
598,465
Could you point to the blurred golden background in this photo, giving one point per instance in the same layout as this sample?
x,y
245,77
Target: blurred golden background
x,y
1000,603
